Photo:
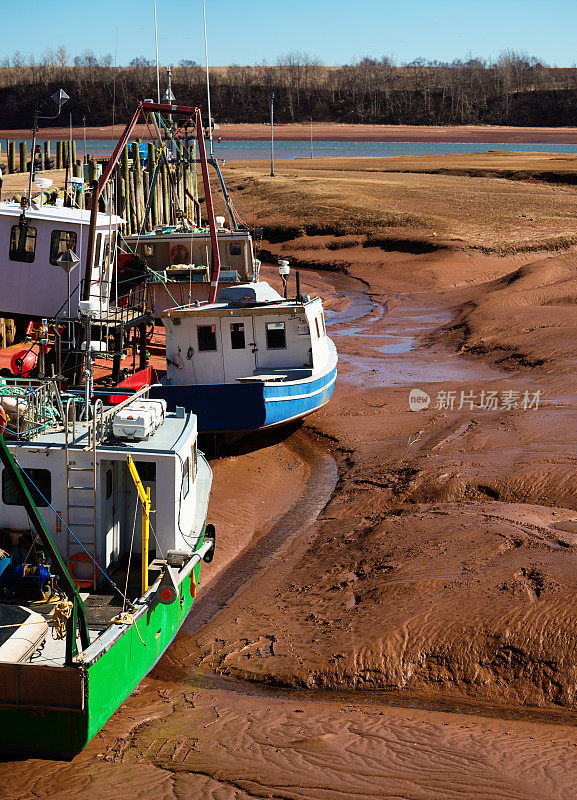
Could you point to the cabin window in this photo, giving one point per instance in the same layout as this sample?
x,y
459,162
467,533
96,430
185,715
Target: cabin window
x,y
317,327
60,242
185,477
98,249
206,338
235,250
39,485
324,326
146,470
275,336
22,243
194,460
148,250
237,336
108,484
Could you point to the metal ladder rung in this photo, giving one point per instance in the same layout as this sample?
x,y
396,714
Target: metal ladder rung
x,y
80,469
72,506
82,524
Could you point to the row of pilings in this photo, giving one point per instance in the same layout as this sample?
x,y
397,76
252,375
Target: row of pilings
x,y
148,189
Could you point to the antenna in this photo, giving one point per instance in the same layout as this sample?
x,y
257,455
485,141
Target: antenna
x,y
156,42
207,79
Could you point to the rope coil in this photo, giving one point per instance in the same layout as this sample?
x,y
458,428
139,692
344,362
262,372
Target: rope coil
x,y
59,621
125,618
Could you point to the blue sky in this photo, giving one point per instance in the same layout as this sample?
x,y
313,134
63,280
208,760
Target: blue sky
x,y
337,32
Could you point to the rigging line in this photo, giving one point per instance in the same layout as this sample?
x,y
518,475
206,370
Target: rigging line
x,y
165,282
156,43
96,564
156,539
207,78
162,149
130,553
151,189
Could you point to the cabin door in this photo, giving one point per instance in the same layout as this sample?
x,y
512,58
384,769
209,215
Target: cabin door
x,y
238,347
110,517
147,472
203,360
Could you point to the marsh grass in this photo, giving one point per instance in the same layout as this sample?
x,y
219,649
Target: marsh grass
x,y
497,202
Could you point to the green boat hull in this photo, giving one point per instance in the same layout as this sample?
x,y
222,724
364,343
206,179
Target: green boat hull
x,y
82,698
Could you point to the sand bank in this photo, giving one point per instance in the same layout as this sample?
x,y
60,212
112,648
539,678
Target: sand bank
x,y
336,132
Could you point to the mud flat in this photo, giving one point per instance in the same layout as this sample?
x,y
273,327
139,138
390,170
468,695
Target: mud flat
x,y
336,132
413,637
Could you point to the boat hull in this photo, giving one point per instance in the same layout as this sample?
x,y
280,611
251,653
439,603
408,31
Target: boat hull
x,y
55,711
243,407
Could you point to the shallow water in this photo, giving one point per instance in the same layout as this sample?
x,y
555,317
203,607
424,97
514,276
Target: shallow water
x,y
410,324
241,150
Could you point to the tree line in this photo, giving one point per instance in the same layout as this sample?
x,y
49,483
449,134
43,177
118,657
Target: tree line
x,y
515,89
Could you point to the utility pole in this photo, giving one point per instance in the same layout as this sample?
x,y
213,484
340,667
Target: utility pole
x,y
272,136
311,137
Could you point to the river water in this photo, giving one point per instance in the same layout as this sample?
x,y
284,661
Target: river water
x,y
241,150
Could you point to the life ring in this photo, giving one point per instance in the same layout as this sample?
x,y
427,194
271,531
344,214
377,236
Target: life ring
x,y
179,254
81,558
3,420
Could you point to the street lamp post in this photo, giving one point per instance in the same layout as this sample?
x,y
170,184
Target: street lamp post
x,y
59,97
272,136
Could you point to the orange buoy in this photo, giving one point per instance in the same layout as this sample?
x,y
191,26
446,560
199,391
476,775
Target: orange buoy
x,y
75,561
179,254
23,362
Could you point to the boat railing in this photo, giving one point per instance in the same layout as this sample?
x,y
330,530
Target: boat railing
x,y
89,434
129,306
29,407
102,419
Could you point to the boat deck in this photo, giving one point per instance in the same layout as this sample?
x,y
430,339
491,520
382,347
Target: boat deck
x,y
101,606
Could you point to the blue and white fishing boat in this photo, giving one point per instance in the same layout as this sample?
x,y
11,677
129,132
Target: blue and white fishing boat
x,y
249,361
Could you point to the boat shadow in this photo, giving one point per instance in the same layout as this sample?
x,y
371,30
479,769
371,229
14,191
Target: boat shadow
x,y
226,445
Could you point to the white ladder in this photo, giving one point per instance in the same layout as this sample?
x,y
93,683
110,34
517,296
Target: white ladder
x,y
81,497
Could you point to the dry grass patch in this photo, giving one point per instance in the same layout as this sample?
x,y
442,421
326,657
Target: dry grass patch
x,y
372,197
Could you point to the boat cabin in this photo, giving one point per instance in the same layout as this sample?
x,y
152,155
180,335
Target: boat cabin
x,y
34,283
180,263
250,333
81,469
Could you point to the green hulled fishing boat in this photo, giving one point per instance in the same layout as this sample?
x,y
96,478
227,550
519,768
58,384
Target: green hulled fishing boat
x,y
92,589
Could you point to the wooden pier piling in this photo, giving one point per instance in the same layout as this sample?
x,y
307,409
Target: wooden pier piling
x,y
143,202
11,146
23,158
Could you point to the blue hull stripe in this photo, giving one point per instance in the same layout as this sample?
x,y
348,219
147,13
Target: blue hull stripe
x,y
300,396
235,407
228,407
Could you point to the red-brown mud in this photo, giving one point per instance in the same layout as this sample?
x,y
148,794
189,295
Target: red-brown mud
x,y
441,574
336,132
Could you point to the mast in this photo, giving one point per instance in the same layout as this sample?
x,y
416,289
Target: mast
x,y
215,261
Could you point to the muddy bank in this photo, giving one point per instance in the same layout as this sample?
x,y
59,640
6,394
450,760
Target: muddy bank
x,y
336,132
441,576
463,507
213,739
442,569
